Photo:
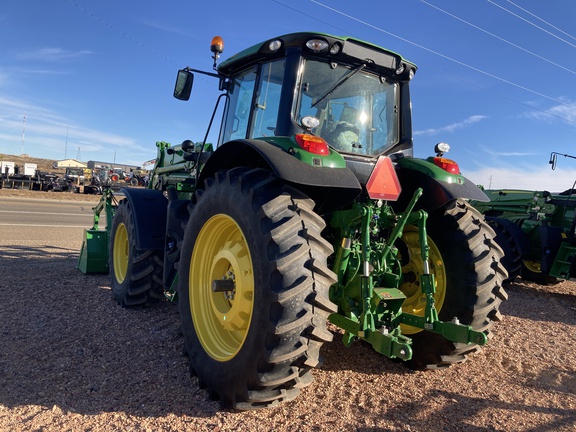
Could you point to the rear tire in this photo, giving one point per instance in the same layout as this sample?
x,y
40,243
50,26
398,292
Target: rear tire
x,y
136,275
512,260
254,346
472,286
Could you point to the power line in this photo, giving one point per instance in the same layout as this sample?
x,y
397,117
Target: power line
x,y
134,40
123,34
436,69
531,107
531,23
310,16
23,132
444,56
543,20
498,37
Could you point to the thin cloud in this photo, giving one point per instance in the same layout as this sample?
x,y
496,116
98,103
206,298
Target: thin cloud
x,y
452,127
52,54
494,153
566,113
484,156
513,154
541,178
49,130
4,78
43,72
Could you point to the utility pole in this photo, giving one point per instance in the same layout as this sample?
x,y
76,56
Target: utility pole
x,y
23,132
66,147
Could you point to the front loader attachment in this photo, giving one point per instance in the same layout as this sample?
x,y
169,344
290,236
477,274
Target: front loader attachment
x,y
94,252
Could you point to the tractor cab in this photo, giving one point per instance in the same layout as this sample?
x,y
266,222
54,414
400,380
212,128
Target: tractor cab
x,y
326,93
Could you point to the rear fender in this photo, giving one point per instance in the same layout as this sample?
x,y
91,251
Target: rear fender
x,y
438,186
330,188
149,213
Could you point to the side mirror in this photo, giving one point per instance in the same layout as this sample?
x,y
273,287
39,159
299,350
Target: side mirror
x,y
552,160
183,85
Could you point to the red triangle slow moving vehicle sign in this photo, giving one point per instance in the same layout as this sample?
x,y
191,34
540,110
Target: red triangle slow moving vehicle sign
x,y
383,183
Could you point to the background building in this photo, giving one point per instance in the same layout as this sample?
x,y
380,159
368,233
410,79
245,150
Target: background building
x,y
69,163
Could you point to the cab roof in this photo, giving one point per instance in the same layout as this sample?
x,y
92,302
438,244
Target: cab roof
x,y
341,49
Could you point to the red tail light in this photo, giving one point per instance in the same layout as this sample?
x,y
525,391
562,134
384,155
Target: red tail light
x,y
383,183
447,165
313,144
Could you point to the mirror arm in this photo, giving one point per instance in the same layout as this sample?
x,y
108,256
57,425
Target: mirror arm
x,y
215,75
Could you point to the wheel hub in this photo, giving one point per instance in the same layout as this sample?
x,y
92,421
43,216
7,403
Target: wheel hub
x,y
232,308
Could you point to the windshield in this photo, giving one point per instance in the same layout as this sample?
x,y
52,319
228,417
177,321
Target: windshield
x,y
357,111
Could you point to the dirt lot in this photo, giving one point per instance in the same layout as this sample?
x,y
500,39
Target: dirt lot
x,y
72,360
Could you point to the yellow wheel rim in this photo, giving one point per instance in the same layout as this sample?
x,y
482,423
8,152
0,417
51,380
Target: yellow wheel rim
x,y
415,302
533,266
221,319
121,253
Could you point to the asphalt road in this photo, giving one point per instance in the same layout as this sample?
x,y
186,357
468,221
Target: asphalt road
x,y
36,222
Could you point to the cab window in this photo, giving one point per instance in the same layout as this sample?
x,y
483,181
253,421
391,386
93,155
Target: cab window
x,y
239,106
268,99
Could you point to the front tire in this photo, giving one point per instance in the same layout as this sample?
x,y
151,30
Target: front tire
x,y
253,341
532,272
135,275
470,284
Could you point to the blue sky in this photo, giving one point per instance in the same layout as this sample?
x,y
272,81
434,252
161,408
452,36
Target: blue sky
x,y
94,79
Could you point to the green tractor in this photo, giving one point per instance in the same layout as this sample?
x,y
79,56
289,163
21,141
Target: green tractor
x,y
536,230
310,217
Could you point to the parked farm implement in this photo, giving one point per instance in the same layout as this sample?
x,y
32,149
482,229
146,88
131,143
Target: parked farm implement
x,y
536,230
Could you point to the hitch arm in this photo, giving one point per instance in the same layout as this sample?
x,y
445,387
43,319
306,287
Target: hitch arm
x,y
406,217
392,346
453,331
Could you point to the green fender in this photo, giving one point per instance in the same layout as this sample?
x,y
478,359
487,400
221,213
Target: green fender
x,y
329,187
149,212
438,186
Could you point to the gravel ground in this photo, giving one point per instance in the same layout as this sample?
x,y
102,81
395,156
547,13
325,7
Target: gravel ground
x,y
72,360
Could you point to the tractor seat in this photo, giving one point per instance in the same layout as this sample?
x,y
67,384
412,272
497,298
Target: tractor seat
x,y
344,136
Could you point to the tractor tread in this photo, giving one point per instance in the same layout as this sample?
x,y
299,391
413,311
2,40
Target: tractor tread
x,y
293,256
142,285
